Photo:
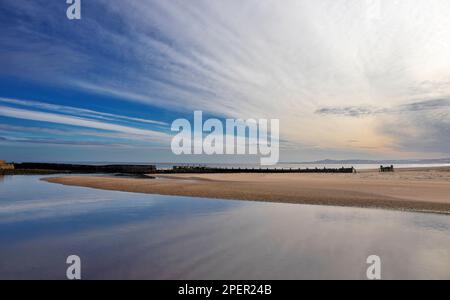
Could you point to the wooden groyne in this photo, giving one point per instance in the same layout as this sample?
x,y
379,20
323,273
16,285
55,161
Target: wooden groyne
x,y
387,169
75,168
208,170
51,168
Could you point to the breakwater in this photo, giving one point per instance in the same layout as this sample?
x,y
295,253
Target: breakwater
x,y
206,170
75,168
36,168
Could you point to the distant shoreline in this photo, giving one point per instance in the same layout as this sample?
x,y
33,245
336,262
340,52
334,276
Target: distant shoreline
x,y
414,189
141,169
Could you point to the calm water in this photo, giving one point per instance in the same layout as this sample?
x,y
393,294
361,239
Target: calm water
x,y
124,235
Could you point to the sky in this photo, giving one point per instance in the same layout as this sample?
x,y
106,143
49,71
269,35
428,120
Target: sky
x,y
367,79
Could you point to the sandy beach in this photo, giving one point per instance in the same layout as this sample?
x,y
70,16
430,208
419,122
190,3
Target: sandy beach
x,y
418,189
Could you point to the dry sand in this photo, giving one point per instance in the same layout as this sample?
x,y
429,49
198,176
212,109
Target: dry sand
x,y
420,189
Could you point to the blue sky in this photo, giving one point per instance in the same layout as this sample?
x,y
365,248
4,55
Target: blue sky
x,y
347,79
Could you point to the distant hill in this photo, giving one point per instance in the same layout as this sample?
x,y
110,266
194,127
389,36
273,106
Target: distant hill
x,y
395,161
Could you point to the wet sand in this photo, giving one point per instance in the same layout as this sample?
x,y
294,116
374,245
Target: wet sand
x,y
418,189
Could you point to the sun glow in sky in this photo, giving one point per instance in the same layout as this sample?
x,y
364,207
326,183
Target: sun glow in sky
x,y
346,78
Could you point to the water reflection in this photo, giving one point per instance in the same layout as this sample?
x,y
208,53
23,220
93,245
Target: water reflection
x,y
123,235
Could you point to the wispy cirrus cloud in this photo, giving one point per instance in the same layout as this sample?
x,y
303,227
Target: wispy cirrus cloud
x,y
79,120
350,111
292,60
78,111
74,134
361,111
54,141
425,105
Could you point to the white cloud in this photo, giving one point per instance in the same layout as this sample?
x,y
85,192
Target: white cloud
x,y
272,59
286,60
78,111
76,121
